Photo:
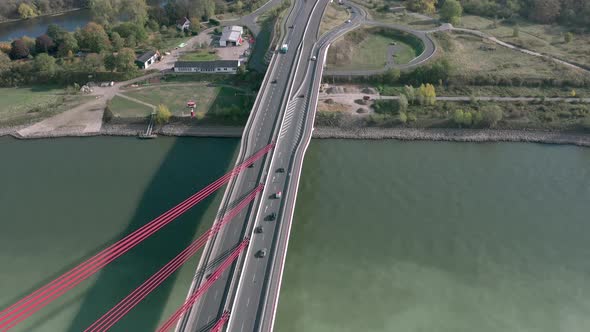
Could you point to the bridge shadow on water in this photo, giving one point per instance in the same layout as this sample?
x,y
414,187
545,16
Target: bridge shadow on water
x,y
182,173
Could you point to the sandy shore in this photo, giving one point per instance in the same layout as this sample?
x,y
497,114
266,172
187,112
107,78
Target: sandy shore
x,y
406,134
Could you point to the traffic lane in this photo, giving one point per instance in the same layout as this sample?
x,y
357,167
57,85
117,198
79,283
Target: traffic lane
x,y
253,288
256,139
233,236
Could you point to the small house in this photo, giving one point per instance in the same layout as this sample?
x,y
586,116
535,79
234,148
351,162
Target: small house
x,y
147,59
207,67
183,24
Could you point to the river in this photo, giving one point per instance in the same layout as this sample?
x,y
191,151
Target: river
x,y
37,26
387,235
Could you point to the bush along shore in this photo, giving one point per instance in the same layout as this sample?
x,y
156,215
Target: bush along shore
x,y
373,133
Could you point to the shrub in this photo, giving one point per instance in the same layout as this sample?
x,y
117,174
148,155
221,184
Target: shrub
x,y
163,114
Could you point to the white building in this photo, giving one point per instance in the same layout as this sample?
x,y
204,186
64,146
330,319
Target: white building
x,y
207,67
231,36
147,59
183,24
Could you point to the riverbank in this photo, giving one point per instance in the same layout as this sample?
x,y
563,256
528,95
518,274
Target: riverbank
x,y
403,134
57,13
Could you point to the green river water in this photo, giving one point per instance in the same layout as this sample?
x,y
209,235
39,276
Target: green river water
x,y
387,235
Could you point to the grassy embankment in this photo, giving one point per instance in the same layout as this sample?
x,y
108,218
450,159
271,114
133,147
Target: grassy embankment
x,y
367,49
333,17
24,105
542,38
214,104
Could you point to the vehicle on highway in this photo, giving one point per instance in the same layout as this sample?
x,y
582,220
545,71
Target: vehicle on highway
x,y
348,21
301,95
290,27
284,48
271,217
261,253
280,170
258,230
251,165
273,81
313,58
279,194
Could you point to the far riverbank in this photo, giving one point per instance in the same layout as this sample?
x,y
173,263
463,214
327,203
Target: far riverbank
x,y
404,134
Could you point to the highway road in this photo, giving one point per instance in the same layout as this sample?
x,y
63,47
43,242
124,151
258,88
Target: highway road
x,y
261,129
283,112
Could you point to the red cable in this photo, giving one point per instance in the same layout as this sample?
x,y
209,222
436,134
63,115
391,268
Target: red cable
x,y
195,296
221,322
115,250
129,302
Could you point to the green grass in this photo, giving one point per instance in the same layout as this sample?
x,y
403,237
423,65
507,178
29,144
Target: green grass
x,y
21,105
471,55
542,38
169,43
334,16
200,55
367,49
125,108
212,102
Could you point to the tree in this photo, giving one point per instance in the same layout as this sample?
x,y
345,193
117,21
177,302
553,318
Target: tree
x,y
568,37
491,115
422,6
403,118
110,62
195,26
134,10
66,45
391,76
26,11
458,117
44,44
403,103
545,11
19,50
410,93
163,114
117,41
93,38
5,63
451,11
126,60
516,31
92,63
55,32
44,65
426,94
5,47
103,10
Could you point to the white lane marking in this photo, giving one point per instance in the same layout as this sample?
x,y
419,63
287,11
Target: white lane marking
x,y
266,207
248,302
242,329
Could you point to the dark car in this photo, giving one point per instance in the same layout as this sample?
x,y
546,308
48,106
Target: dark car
x,y
281,170
261,253
273,81
301,95
271,217
251,165
258,230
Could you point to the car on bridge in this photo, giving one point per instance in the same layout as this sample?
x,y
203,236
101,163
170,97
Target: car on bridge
x,y
271,216
261,253
278,194
280,170
258,230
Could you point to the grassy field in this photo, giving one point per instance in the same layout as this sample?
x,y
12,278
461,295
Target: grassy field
x,y
21,105
126,108
366,49
200,55
211,101
472,55
169,43
333,16
542,38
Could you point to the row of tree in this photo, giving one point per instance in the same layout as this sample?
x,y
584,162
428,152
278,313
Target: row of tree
x,y
11,9
566,12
